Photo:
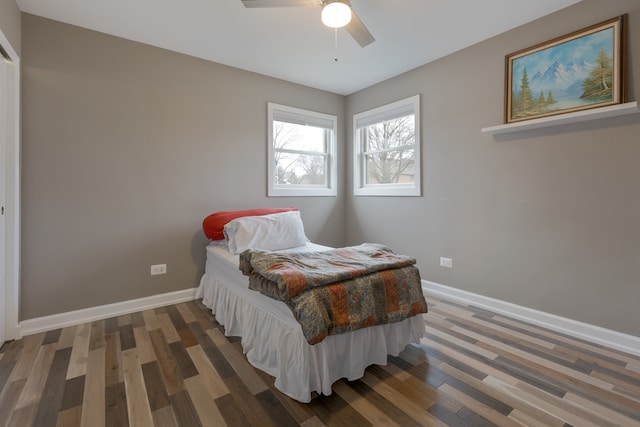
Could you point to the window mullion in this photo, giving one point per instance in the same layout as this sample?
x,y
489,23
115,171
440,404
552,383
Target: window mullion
x,y
386,150
304,153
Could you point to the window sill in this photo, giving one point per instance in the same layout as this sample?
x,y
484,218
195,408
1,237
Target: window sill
x,y
562,119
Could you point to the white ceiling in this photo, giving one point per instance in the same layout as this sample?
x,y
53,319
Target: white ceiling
x,y
292,43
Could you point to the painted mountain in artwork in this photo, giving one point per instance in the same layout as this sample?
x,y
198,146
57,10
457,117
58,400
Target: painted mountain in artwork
x,y
564,81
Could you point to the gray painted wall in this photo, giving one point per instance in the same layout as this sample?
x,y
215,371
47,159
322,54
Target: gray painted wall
x,y
10,23
547,219
126,148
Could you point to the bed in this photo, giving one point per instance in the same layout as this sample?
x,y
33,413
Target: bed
x,y
271,337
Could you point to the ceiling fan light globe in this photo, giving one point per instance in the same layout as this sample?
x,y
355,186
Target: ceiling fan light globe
x,y
336,14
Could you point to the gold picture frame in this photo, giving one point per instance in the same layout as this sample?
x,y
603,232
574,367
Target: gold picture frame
x,y
578,71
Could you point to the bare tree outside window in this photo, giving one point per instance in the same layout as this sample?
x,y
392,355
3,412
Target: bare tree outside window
x,y
386,150
299,154
389,151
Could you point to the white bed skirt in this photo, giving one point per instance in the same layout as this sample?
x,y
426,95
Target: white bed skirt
x,y
275,344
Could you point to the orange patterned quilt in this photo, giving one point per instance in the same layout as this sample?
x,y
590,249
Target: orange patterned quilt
x,y
339,290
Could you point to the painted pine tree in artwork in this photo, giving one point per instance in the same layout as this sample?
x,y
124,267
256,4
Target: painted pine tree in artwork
x,y
550,99
599,83
525,99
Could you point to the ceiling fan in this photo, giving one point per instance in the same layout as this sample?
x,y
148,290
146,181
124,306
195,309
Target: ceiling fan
x,y
335,14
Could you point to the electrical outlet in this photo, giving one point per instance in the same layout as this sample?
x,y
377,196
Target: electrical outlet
x,y
446,262
158,269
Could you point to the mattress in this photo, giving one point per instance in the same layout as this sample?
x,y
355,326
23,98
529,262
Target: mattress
x,y
272,339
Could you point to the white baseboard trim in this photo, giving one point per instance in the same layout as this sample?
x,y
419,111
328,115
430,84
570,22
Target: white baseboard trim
x,y
56,321
574,328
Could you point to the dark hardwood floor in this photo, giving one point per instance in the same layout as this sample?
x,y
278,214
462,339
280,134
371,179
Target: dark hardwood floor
x,y
173,366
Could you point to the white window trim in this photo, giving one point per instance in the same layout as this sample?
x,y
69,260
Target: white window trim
x,y
376,115
302,116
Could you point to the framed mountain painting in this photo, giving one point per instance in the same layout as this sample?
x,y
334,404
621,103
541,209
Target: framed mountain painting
x,y
574,72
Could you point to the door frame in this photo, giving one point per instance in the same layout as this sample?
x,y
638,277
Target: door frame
x,y
12,193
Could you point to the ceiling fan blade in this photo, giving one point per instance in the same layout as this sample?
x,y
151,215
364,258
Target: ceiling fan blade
x,y
358,31
281,3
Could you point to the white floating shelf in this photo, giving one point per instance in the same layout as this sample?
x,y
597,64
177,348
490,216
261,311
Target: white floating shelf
x,y
562,119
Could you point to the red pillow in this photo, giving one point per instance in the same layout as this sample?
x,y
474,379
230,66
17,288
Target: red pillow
x,y
214,223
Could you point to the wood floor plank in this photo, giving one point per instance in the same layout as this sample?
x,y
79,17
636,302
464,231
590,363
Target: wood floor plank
x,y
465,362
73,393
202,398
137,320
71,417
478,407
176,318
53,392
472,368
541,363
164,417
627,383
151,321
275,409
333,410
156,390
239,362
248,403
6,368
93,402
51,337
186,313
313,422
67,336
124,320
187,337
170,332
364,407
9,398
170,372
231,412
573,414
111,325
417,392
601,411
80,351
496,388
23,416
379,401
527,420
221,365
417,413
116,408
113,359
127,339
184,410
136,393
183,361
24,364
211,381
204,317
143,344
35,382
299,411
96,339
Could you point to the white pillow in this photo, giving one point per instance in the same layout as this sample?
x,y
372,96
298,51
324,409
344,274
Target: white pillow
x,y
268,232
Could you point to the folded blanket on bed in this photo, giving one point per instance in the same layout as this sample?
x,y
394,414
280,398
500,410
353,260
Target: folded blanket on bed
x,y
339,290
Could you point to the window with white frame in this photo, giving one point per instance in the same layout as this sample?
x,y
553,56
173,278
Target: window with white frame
x,y
302,152
386,155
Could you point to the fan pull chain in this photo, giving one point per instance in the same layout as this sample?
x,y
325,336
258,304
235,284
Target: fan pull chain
x,y
336,44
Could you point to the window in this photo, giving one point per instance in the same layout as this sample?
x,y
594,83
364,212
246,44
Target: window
x,y
302,152
386,144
